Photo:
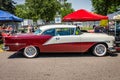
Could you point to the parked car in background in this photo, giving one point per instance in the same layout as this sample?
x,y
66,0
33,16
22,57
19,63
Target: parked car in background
x,y
59,38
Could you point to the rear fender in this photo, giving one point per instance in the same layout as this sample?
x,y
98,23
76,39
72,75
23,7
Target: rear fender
x,y
36,45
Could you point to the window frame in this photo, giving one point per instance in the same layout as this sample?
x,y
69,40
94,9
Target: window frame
x,y
65,28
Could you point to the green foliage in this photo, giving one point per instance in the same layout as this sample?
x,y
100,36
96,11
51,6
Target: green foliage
x,y
7,5
66,9
87,28
42,9
1,43
22,11
105,7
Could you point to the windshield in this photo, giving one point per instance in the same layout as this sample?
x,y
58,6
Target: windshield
x,y
38,31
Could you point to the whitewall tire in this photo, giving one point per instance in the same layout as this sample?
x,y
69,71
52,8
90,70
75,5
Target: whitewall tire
x,y
100,50
30,52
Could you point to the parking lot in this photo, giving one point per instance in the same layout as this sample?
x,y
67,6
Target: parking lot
x,y
64,66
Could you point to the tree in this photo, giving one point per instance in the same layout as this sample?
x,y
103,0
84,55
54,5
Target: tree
x,y
22,11
43,9
115,6
66,9
7,5
104,6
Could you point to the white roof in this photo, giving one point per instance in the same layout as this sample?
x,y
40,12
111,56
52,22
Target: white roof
x,y
56,26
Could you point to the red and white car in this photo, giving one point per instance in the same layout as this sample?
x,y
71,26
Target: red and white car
x,y
59,38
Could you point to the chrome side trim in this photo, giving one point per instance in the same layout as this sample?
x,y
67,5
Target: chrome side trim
x,y
15,44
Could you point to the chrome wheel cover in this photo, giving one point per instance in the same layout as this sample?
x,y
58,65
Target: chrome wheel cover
x,y
30,51
100,50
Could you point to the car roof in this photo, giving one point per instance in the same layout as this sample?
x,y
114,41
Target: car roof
x,y
56,26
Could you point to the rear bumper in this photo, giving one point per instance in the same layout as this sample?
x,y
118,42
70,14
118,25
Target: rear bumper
x,y
6,48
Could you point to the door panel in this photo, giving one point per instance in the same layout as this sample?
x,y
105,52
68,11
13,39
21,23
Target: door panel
x,y
69,43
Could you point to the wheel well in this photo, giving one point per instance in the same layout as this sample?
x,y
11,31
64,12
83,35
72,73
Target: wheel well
x,y
31,45
96,44
102,43
37,48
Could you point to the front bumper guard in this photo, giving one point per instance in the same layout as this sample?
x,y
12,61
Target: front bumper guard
x,y
112,50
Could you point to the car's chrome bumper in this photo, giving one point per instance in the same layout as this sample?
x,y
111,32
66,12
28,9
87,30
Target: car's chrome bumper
x,y
6,48
112,49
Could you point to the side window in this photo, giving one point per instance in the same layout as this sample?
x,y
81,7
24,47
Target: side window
x,y
64,31
49,32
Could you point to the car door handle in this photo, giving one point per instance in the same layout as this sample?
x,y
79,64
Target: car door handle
x,y
57,38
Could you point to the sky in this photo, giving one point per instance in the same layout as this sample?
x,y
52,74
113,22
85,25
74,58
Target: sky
x,y
76,4
81,4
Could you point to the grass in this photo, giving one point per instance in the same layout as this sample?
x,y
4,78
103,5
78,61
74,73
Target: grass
x,y
1,44
87,28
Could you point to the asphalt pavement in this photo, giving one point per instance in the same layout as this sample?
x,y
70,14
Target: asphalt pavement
x,y
62,66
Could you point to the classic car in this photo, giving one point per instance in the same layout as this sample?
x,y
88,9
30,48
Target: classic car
x,y
59,38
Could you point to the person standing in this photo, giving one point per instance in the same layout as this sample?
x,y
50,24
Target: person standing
x,y
29,29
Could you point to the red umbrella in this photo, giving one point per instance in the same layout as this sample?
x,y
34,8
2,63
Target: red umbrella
x,y
83,15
